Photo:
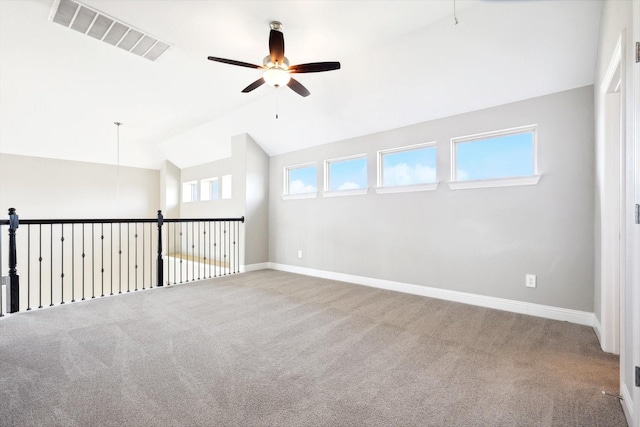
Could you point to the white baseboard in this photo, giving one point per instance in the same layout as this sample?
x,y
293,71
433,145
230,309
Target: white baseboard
x,y
539,310
254,267
627,404
598,329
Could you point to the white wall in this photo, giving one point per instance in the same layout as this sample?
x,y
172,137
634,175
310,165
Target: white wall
x,y
249,170
170,190
480,241
49,188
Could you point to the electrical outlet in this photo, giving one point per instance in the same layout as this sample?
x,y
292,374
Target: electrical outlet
x,y
300,253
530,281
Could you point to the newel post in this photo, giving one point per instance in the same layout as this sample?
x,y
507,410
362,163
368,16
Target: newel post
x,y
160,262
14,279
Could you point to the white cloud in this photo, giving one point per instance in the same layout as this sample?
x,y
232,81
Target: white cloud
x,y
299,187
462,175
349,185
403,174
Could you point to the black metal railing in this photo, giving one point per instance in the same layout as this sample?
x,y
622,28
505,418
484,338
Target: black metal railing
x,y
65,260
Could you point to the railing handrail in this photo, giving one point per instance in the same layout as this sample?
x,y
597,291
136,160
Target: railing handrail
x,y
117,220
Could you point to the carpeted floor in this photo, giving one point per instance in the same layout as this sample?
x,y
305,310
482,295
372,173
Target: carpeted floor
x,y
269,348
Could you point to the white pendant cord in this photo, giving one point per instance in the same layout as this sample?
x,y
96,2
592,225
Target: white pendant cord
x,y
118,124
455,18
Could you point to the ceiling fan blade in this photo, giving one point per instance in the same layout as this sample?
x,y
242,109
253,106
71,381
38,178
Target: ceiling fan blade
x,y
297,87
254,85
234,62
314,67
276,46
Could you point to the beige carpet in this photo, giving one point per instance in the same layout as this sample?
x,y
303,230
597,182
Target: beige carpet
x,y
276,349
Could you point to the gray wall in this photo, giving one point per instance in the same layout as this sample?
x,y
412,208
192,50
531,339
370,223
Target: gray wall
x,y
49,188
481,241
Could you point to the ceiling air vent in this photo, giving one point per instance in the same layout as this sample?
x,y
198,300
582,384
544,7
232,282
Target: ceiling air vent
x,y
93,23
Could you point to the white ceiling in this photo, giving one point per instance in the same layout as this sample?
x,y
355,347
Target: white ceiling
x,y
403,62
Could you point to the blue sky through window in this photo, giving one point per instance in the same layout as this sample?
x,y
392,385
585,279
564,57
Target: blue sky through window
x,y
303,180
348,174
409,167
495,157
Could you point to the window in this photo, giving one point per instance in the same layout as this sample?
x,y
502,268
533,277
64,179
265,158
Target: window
x,y
347,175
210,189
411,168
491,159
189,191
226,186
301,180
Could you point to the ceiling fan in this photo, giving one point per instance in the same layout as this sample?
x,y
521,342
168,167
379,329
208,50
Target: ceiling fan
x,y
277,71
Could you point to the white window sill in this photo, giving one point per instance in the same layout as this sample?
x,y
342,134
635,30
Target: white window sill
x,y
299,196
489,183
339,193
407,188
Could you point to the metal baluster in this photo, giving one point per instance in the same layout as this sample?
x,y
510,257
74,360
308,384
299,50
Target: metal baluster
x,y
83,259
51,262
40,266
102,259
210,249
193,251
174,254
199,251
150,255
143,288
119,257
135,264
62,263
28,269
93,262
73,262
180,252
225,248
111,254
215,246
128,257
169,253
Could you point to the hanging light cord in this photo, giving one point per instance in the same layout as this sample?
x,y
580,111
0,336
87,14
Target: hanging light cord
x,y
118,124
455,18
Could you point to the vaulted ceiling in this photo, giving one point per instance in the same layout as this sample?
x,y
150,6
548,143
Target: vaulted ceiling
x,y
403,62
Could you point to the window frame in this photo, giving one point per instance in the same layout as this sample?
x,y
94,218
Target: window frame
x,y
285,191
381,189
208,182
327,178
192,184
454,184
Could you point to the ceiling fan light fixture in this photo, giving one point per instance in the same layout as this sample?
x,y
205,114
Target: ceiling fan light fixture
x,y
276,77
268,64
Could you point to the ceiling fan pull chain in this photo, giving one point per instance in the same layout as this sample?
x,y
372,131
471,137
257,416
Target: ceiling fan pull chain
x,y
455,18
276,104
